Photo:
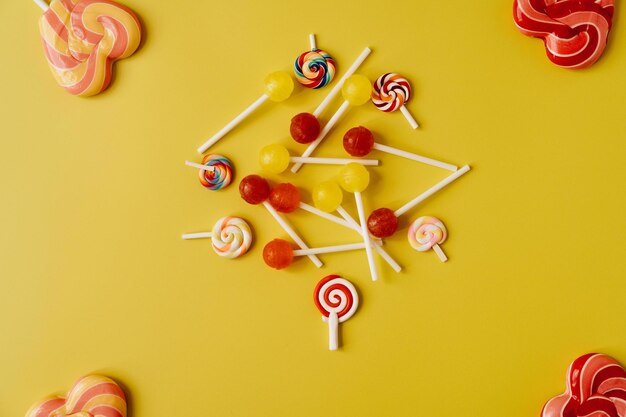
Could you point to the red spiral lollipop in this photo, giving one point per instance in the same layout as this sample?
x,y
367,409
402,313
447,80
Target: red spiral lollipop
x,y
390,92
337,300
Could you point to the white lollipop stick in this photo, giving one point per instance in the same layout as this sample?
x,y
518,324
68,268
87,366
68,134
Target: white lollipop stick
x,y
327,216
219,135
199,235
312,42
332,161
366,236
377,246
442,256
329,249
432,190
333,120
287,228
414,157
337,87
44,6
333,331
409,117
200,166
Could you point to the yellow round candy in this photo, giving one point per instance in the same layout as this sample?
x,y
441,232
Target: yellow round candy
x,y
356,89
274,158
327,196
353,177
278,85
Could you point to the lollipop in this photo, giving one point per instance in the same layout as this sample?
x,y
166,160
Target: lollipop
x,y
337,300
595,387
275,159
428,232
278,87
279,254
390,93
231,237
255,189
216,171
574,32
83,38
359,141
355,91
384,223
354,178
314,68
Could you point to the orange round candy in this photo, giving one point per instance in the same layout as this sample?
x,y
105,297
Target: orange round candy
x,y
254,189
278,254
382,223
305,128
285,197
358,141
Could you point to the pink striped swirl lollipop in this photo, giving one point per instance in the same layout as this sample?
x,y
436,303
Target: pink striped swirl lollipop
x,y
337,300
428,232
231,237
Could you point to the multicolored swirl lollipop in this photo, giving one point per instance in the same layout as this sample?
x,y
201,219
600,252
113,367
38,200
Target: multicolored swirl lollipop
x,y
428,232
390,92
216,171
231,237
314,68
337,300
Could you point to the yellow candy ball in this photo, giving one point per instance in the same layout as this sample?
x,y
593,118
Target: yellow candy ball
x,y
327,196
353,177
278,85
274,158
356,89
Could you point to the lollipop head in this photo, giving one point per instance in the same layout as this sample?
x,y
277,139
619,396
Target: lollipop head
x,y
353,177
327,196
285,197
358,141
305,128
274,158
382,223
278,254
254,189
278,85
314,69
356,89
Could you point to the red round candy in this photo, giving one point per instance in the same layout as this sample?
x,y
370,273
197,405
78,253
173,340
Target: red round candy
x,y
285,197
358,141
254,189
382,223
305,128
278,254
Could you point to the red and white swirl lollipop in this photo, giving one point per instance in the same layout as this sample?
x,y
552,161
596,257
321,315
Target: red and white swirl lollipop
x,y
337,300
390,92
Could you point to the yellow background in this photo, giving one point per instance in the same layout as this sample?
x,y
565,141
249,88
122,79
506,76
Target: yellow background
x,y
95,278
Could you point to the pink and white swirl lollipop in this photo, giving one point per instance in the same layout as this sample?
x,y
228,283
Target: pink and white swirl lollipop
x,y
428,232
337,300
390,92
231,237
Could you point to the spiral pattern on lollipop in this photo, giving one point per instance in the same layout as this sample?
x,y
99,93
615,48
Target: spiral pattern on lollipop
x,y
390,92
314,69
231,237
426,232
574,31
595,386
221,175
82,39
334,294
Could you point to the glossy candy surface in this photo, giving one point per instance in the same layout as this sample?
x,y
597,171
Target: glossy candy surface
x,y
314,69
382,223
327,196
356,89
254,189
278,254
285,197
274,158
278,85
305,128
353,177
390,92
358,141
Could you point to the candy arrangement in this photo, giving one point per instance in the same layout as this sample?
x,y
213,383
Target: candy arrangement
x,y
335,297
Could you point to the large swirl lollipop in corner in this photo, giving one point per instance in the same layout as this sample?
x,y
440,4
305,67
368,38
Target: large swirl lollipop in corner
x,y
216,171
428,232
337,300
574,32
231,237
314,68
390,92
83,38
